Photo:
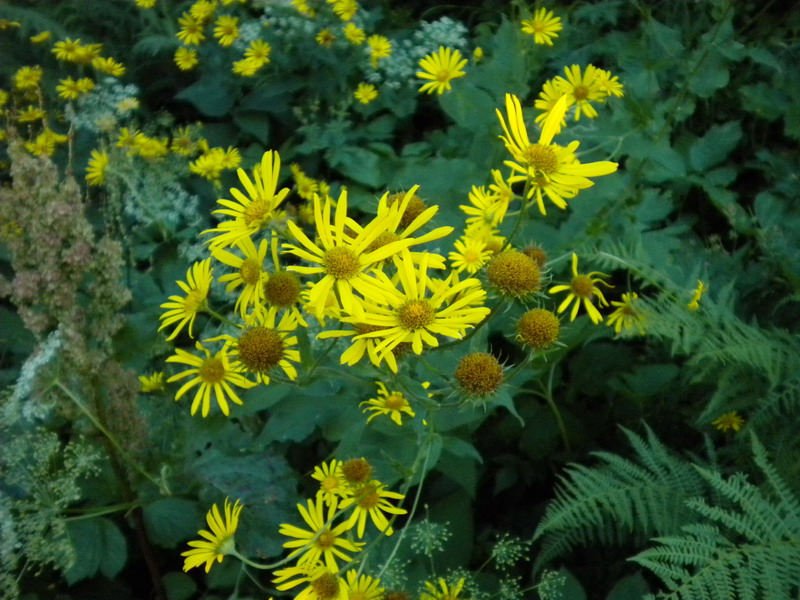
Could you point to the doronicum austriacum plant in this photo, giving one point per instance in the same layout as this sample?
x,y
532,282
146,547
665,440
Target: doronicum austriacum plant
x,y
339,300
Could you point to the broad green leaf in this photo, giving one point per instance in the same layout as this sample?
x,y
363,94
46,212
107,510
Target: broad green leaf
x,y
170,521
212,95
715,146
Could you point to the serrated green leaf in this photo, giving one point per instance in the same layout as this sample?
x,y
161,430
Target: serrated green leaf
x,y
212,95
170,521
99,546
715,146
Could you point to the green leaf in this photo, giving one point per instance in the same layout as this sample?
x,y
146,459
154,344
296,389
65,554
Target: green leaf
x,y
254,124
715,146
212,95
359,164
665,40
469,106
711,75
170,521
99,546
633,587
115,551
179,586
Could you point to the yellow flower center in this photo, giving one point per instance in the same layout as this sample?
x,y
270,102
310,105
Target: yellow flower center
x,y
212,371
395,401
326,586
326,539
581,92
250,271
342,263
416,314
368,497
387,237
443,75
256,213
260,349
329,483
582,286
470,256
479,374
514,274
538,328
282,288
357,470
541,158
194,301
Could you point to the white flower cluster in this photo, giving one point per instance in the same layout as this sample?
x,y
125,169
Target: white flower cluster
x,y
105,107
44,354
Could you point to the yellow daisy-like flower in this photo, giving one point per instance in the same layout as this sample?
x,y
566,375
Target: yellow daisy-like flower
x,y
626,317
30,114
88,53
484,207
203,10
45,143
344,9
303,8
183,310
109,65
264,345
186,58
322,541
212,374
729,421
258,52
581,290
443,591
582,89
379,47
249,273
470,255
40,38
343,259
226,30
71,89
547,168
208,165
544,26
96,169
325,38
365,93
393,404
439,69
218,542
363,587
191,32
547,100
332,484
354,34
145,3
150,384
410,315
322,582
254,211
28,78
372,500
66,50
694,303
609,84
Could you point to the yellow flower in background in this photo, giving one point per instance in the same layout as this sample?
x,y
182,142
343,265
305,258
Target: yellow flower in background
x,y
626,316
28,78
258,52
372,500
191,31
321,541
548,169
40,38
203,10
544,26
470,255
440,68
45,143
109,65
581,290
354,34
362,587
30,113
246,67
484,207
609,84
226,30
443,592
694,303
96,168
303,8
218,542
212,374
70,89
332,484
87,53
152,383
183,310
186,58
256,210
392,404
325,38
582,88
365,93
66,50
729,421
477,55
209,165
145,3
547,100
379,47
249,273
6,24
344,9
323,583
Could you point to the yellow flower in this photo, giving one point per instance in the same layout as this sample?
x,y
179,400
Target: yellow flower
x,y
694,303
249,272
325,38
208,165
226,30
212,374
444,592
543,27
40,38
547,168
27,78
477,55
363,587
547,100
440,68
581,289
87,53
323,583
109,65
254,211
218,542
191,32
203,10
258,52
150,148
126,105
626,317
320,542
246,67
6,24
393,404
470,255
354,34
303,8
30,113
332,484
67,50
582,89
729,421
379,47
183,310
70,89
344,9
186,58
282,289
485,207
365,93
145,3
152,383
610,85
96,169
45,143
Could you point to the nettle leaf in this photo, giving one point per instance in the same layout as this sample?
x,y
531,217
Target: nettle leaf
x,y
99,547
715,146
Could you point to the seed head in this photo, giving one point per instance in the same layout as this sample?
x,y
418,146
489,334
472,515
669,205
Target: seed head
x,y
479,374
514,274
538,328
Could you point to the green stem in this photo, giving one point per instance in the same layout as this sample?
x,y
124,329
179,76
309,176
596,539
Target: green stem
x,y
548,396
